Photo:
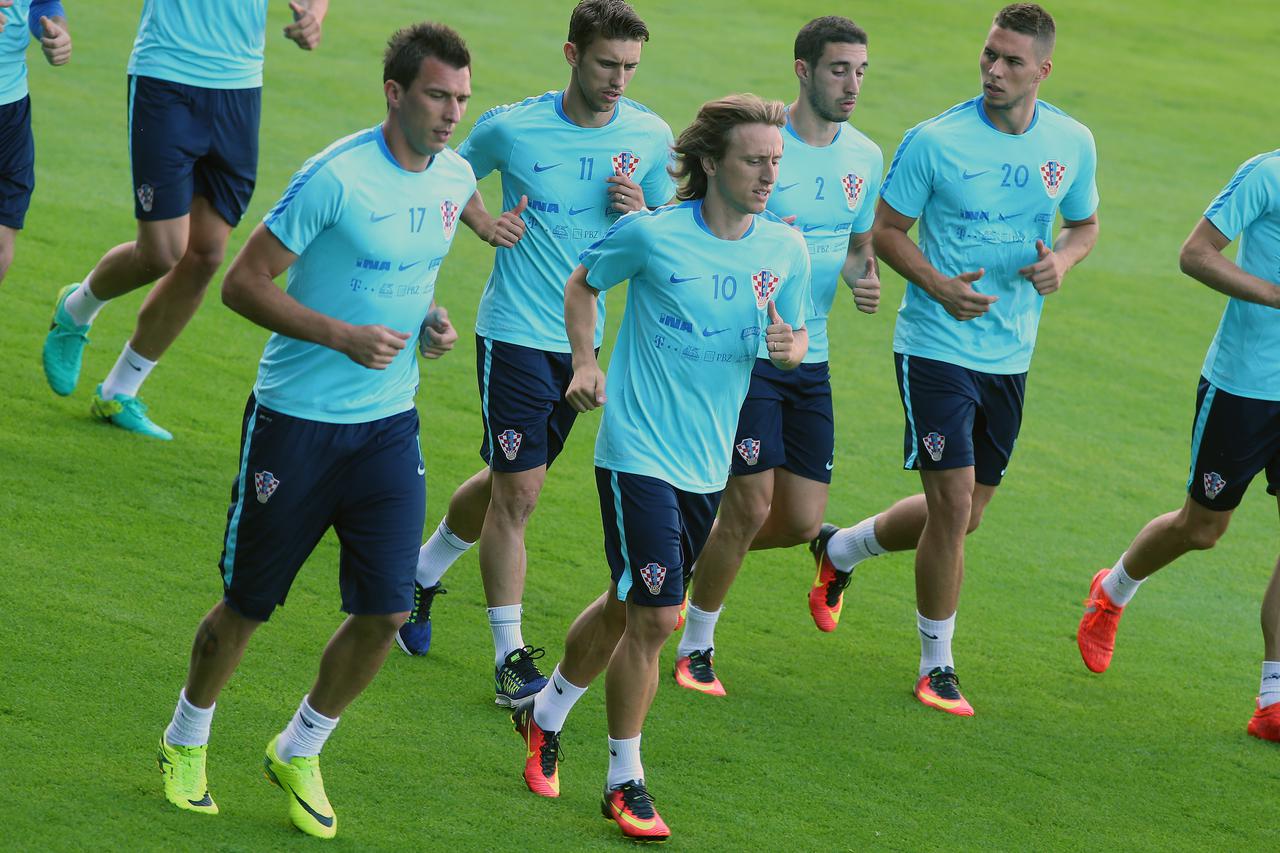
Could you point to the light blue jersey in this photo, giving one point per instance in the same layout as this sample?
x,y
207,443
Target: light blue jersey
x,y
13,49
832,193
696,309
370,238
562,168
1244,357
983,198
215,44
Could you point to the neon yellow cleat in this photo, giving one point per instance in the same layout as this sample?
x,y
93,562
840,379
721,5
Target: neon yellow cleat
x,y
185,784
309,808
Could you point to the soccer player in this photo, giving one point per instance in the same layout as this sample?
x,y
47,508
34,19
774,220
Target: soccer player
x,y
784,448
986,179
714,261
330,435
571,163
46,21
1236,431
195,94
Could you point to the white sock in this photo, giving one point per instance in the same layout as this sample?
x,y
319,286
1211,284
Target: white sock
x,y
624,762
852,545
504,622
128,375
1117,584
1269,692
699,631
935,642
190,725
554,702
82,305
438,553
306,733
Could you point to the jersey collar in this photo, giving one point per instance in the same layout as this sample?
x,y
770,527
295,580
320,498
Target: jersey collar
x,y
982,114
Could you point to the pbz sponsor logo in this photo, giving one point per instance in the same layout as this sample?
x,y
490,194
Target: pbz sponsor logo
x,y
653,576
448,217
509,440
1213,484
1052,173
749,450
265,484
934,444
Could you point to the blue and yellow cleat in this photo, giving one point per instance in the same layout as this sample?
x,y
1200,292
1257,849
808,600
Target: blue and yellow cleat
x,y
63,347
128,413
309,808
414,636
185,784
518,680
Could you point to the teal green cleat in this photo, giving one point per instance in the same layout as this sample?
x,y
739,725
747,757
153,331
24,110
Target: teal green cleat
x,y
128,413
63,347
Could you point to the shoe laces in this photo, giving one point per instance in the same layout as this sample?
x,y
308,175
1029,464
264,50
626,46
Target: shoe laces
x,y
700,666
519,667
550,752
944,683
835,586
637,799
423,596
189,768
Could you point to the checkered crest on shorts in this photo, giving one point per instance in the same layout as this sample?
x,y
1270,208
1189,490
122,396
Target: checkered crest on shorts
x,y
934,444
265,484
653,576
1213,484
509,440
749,450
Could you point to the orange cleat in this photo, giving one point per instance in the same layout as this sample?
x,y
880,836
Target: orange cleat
x,y
1265,722
826,596
695,672
1096,635
684,611
541,754
631,807
941,689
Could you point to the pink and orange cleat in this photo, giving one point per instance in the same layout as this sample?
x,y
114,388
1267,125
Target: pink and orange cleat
x,y
1265,722
826,596
695,672
1096,635
541,754
631,807
941,689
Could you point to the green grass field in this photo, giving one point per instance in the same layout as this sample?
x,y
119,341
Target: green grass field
x,y
109,543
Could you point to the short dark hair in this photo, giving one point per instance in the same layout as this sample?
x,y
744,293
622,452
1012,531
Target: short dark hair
x,y
708,137
814,36
407,48
1030,19
606,19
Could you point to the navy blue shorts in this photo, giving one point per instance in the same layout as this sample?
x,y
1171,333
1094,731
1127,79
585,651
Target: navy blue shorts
x,y
1232,439
522,404
957,417
786,422
17,163
653,534
186,141
300,477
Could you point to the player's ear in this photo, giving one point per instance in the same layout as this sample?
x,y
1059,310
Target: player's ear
x,y
1046,66
708,165
391,89
802,70
571,54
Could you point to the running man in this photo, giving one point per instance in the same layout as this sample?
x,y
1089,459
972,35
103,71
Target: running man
x,y
785,446
1236,431
987,178
330,436
20,21
195,96
571,162
671,402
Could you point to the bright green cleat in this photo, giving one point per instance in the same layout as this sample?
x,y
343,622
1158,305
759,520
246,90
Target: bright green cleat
x,y
128,413
63,347
184,781
309,808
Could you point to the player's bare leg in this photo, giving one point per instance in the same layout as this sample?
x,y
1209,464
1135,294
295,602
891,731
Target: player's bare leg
x,y
355,653
795,513
1169,536
469,506
7,239
744,508
631,678
159,246
219,645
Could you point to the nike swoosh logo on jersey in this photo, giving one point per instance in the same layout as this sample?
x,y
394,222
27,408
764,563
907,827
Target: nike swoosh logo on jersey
x,y
675,279
574,211
373,217
404,267
783,188
711,333
969,176
540,168
809,228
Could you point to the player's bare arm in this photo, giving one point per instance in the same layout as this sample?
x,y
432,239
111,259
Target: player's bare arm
x,y
250,290
308,17
586,390
1202,259
895,247
1075,241
787,346
55,40
861,273
502,232
438,335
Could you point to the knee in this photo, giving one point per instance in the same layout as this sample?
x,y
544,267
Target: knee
x,y
203,261
380,627
746,519
514,505
157,257
652,626
1201,535
975,519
